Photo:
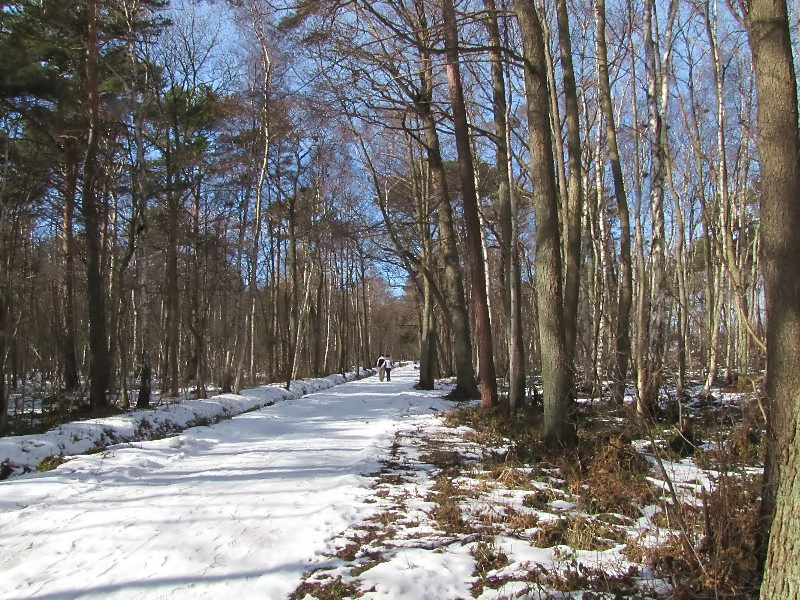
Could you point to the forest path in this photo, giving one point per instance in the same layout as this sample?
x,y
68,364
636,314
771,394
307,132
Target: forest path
x,y
238,509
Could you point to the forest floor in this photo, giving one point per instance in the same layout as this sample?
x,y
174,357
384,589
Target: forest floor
x,y
480,499
377,490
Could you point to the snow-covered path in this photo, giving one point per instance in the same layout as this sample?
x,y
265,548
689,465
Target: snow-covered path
x,y
238,510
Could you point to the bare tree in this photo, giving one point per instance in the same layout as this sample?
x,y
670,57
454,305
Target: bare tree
x,y
573,195
625,294
508,214
654,286
556,372
469,198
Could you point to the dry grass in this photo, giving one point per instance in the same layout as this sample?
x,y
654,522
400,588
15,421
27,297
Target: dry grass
x,y
488,557
511,477
518,521
335,589
473,471
51,462
446,513
579,533
442,459
596,583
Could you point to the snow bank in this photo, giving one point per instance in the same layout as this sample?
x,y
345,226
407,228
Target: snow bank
x,y
23,453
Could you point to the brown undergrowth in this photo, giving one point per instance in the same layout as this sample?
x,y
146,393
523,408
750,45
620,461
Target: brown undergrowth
x,y
491,477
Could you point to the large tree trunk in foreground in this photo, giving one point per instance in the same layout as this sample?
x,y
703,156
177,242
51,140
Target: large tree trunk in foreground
x,y
778,143
556,373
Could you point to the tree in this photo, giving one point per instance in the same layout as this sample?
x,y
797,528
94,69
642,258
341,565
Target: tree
x,y
778,140
469,196
137,89
653,284
556,372
622,334
507,199
91,209
572,203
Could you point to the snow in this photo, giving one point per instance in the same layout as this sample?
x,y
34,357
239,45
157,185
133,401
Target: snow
x,y
25,453
282,494
421,573
240,509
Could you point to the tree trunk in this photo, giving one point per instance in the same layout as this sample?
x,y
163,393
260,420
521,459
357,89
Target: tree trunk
x,y
427,360
264,139
5,289
469,198
4,302
622,338
573,196
71,378
6,333
197,318
778,141
95,295
428,339
562,186
139,221
508,215
654,294
236,372
292,282
365,324
556,374
682,317
454,284
170,369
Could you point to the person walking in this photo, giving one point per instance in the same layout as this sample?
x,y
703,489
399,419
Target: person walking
x,y
388,365
381,364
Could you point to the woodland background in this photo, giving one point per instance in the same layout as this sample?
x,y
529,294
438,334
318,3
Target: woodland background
x,y
217,194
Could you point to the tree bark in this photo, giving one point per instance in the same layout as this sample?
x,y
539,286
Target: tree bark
x,y
139,221
654,294
428,339
681,275
99,371
4,336
778,141
172,319
573,195
71,378
556,374
264,139
469,197
508,216
197,316
453,280
622,337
